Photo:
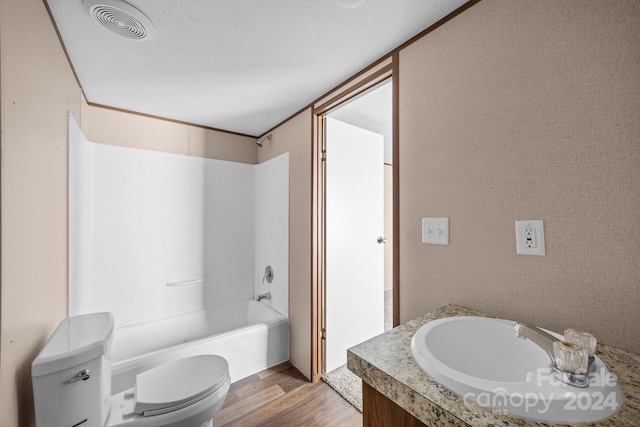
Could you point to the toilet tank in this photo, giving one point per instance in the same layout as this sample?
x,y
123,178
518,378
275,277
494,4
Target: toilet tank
x,y
72,374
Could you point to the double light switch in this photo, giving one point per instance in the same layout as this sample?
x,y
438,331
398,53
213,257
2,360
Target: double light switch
x,y
435,231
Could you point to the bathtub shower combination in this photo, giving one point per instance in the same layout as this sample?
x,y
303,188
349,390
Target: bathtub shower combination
x,y
175,247
250,335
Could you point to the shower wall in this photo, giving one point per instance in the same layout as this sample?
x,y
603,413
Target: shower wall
x,y
153,234
271,246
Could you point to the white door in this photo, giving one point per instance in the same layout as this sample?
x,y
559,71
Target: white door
x,y
354,221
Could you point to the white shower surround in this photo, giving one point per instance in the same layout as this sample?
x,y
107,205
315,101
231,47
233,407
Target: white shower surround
x,y
139,220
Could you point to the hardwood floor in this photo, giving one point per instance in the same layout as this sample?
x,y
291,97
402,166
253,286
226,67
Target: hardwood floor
x,y
282,396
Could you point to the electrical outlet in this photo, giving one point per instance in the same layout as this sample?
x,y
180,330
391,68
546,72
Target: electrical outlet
x,y
530,240
530,237
435,231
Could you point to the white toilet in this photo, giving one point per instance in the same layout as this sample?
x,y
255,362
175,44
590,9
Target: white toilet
x,y
72,383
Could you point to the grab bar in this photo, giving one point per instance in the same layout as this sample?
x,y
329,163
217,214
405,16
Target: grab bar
x,y
186,282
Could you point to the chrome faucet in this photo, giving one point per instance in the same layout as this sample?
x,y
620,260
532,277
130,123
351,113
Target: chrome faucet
x,y
545,341
538,336
264,296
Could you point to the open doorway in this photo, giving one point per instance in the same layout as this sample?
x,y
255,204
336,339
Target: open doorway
x,y
373,112
358,141
357,272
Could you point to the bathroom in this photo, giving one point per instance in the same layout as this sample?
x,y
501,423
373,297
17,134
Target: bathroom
x,y
508,111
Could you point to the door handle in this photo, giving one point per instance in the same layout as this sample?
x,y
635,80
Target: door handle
x,y
382,240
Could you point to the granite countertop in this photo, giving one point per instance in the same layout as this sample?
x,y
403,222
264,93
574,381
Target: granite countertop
x,y
386,363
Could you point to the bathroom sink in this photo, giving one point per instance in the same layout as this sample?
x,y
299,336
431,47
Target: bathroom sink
x,y
483,361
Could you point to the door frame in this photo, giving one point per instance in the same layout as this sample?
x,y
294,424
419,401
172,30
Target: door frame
x,y
359,85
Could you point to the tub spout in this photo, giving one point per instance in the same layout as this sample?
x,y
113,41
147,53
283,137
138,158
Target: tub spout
x,y
538,336
264,296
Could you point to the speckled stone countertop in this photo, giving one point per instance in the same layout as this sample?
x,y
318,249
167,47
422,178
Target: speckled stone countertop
x,y
386,363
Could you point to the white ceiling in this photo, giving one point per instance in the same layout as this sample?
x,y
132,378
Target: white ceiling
x,y
237,65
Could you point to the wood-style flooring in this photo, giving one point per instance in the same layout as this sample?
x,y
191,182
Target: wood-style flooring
x,y
282,396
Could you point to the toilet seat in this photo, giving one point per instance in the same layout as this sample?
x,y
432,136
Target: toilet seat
x,y
178,384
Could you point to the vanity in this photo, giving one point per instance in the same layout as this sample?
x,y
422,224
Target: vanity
x,y
397,392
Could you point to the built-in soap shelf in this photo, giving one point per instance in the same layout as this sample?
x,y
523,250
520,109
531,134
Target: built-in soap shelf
x,y
186,282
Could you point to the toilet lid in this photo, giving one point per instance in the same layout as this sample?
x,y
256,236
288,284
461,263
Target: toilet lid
x,y
178,384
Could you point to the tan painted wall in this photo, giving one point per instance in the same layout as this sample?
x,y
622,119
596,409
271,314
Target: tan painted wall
x,y
113,127
294,137
37,89
526,110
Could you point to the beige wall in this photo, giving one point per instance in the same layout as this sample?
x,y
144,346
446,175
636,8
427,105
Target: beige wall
x,y
113,127
526,110
37,89
294,137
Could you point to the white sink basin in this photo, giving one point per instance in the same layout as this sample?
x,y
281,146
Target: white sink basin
x,y
483,361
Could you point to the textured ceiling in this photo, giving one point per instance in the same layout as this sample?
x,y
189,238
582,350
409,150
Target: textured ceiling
x,y
237,65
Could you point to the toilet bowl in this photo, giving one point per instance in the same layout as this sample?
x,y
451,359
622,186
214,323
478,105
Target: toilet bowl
x,y
183,392
72,383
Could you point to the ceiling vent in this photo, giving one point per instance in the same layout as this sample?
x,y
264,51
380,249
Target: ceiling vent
x,y
120,18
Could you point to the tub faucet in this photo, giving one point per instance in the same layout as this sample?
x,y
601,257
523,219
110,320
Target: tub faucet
x,y
538,336
264,296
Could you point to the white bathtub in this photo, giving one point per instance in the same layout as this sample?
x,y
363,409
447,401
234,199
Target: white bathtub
x,y
249,334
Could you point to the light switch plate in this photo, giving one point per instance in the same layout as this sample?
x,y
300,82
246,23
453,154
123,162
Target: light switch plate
x,y
530,237
435,231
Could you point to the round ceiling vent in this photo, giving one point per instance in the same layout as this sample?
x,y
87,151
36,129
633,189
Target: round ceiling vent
x,y
120,18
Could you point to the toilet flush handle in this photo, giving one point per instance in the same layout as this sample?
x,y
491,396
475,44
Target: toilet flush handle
x,y
80,376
